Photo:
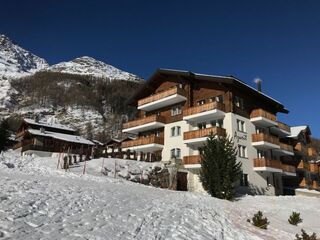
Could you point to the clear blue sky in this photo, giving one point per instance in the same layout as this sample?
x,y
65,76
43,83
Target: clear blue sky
x,y
278,41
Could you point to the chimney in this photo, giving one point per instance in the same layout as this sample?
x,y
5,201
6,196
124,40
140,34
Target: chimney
x,y
258,81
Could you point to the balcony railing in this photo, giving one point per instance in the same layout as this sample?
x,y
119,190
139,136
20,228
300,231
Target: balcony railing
x,y
204,108
315,185
142,121
283,126
286,147
264,162
312,152
262,113
301,148
314,168
259,137
303,165
161,95
195,159
143,141
204,133
288,168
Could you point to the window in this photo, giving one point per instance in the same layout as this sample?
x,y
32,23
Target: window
x,y
238,102
242,151
201,102
244,180
158,134
262,154
202,125
176,153
176,110
241,126
175,131
217,123
260,130
180,85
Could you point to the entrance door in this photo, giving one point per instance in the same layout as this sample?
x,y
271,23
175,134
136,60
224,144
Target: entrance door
x,y
182,181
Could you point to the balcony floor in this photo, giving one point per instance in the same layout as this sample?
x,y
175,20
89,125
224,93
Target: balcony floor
x,y
167,101
265,145
143,127
211,114
145,148
263,122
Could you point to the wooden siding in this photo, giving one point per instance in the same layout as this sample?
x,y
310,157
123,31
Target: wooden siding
x,y
195,159
143,141
303,165
204,108
288,168
262,113
161,95
264,162
258,137
145,120
286,147
204,133
314,168
283,126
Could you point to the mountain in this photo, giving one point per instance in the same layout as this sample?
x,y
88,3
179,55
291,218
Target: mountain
x,y
16,61
92,67
84,93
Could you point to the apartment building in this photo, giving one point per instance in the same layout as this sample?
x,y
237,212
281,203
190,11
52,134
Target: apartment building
x,y
305,159
177,110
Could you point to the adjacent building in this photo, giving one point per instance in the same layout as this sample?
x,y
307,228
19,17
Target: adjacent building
x,y
43,139
177,110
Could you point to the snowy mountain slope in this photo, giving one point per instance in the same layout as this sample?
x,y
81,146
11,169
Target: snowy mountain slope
x,y
92,67
39,201
16,61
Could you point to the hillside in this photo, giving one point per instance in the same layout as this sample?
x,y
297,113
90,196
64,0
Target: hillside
x,y
85,93
39,201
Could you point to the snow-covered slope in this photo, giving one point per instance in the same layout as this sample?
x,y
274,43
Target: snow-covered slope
x,y
92,67
38,201
16,61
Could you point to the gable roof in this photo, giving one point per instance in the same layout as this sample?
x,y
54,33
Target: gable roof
x,y
61,136
49,125
205,77
296,130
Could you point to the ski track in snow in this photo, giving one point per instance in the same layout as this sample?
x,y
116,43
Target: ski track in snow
x,y
39,202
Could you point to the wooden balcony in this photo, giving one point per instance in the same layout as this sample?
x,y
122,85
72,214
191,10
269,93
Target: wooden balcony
x,y
195,159
315,185
313,168
303,165
264,164
312,152
144,124
161,99
300,148
288,168
286,148
201,112
283,127
202,133
264,114
143,141
265,141
303,183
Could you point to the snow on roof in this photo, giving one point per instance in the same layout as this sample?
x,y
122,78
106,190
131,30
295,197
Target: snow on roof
x,y
97,142
61,136
295,131
45,124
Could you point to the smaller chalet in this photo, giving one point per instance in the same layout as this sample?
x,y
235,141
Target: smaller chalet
x,y
113,149
43,139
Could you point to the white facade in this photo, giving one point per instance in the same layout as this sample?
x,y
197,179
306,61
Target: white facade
x,y
259,182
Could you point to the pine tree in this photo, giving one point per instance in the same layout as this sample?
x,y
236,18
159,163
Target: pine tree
x,y
219,167
4,135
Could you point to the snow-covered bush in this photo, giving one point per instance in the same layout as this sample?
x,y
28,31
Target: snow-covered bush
x,y
306,236
295,218
259,221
